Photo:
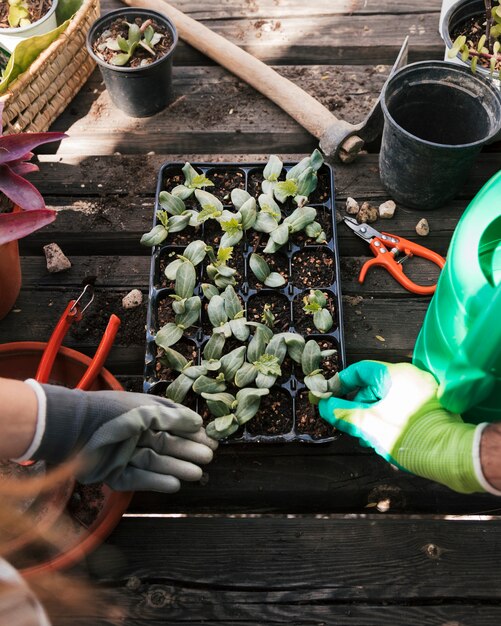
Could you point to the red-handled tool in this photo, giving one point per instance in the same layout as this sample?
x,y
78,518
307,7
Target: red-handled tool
x,y
386,247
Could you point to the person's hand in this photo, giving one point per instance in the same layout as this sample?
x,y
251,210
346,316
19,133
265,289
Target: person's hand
x,y
395,411
130,441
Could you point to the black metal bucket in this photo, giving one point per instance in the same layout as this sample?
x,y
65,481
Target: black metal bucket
x,y
438,116
137,91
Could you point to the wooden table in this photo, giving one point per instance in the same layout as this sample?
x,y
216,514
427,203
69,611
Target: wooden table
x,y
303,534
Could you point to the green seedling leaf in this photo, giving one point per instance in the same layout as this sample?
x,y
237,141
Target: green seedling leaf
x,y
334,385
232,304
268,365
281,234
295,172
285,189
172,204
257,345
183,192
264,381
259,267
204,384
213,432
219,404
314,231
168,335
177,223
273,168
209,290
173,359
271,247
214,347
216,311
310,360
248,213
277,348
120,59
195,371
268,205
316,383
190,173
186,279
275,280
191,313
248,402
223,281
239,197
316,160
178,389
195,252
232,362
295,345
265,223
323,320
178,304
211,366
212,206
307,182
239,328
246,375
171,269
233,231
224,329
155,237
300,218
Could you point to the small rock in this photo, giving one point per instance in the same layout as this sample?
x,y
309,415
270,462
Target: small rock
x,y
339,217
422,227
133,299
367,213
57,261
352,206
387,209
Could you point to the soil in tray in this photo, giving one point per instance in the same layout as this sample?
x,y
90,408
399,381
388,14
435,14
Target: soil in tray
x,y
95,319
274,416
313,267
119,28
324,218
308,420
167,256
303,322
278,263
279,306
329,366
323,190
166,314
36,9
224,182
185,347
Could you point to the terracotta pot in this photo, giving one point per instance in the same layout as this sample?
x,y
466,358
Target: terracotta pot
x,y
10,276
76,537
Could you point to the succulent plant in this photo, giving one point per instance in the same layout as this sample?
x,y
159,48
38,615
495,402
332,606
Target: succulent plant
x,y
265,354
263,273
143,36
174,205
192,181
319,387
315,304
230,411
227,315
19,14
300,180
218,271
166,225
297,221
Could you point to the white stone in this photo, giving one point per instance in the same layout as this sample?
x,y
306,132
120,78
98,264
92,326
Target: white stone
x,y
56,260
133,299
387,209
352,207
422,227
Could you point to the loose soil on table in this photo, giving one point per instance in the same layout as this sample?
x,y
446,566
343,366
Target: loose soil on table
x,y
313,267
274,416
473,28
278,263
185,347
96,317
308,420
141,56
279,307
36,9
224,182
303,322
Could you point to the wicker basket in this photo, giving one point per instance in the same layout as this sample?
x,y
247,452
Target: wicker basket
x,y
43,91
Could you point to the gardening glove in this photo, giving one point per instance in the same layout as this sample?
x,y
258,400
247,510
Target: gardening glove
x,y
130,441
395,411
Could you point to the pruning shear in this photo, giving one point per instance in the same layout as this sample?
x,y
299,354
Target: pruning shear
x,y
73,313
386,247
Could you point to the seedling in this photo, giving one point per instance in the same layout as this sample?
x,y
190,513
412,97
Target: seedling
x,y
296,222
263,273
230,411
19,14
192,181
267,317
300,180
218,271
315,304
159,233
314,380
139,35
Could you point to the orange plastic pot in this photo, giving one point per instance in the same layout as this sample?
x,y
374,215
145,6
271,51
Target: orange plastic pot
x,y
77,538
10,276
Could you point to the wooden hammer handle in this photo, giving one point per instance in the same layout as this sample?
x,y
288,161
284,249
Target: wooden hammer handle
x,y
297,103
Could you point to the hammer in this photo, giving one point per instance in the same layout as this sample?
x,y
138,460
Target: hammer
x,y
338,139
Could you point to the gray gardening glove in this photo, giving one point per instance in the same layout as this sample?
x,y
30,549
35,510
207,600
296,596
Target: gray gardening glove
x,y
130,441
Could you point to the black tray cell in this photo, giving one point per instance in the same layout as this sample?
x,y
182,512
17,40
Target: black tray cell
x,y
313,267
279,306
324,218
274,417
323,191
303,322
225,179
277,262
308,420
186,347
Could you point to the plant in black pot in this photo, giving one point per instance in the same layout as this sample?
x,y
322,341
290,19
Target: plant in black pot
x,y
134,50
472,32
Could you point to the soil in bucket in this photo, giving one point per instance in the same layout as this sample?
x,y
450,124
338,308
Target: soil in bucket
x,y
34,8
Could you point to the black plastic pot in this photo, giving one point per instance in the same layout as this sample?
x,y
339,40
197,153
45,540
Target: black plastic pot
x,y
138,91
459,13
438,116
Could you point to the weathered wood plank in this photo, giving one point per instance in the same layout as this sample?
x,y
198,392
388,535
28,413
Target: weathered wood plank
x,y
360,560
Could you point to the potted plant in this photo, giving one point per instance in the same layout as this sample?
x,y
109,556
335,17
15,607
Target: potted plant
x,y
21,19
22,208
134,50
472,32
244,319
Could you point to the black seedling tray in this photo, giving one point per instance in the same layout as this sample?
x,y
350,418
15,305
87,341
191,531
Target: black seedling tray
x,y
291,382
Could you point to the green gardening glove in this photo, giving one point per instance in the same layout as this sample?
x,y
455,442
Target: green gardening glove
x,y
395,411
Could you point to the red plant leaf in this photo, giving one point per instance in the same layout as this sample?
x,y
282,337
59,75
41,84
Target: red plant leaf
x,y
13,226
19,190
22,168
14,147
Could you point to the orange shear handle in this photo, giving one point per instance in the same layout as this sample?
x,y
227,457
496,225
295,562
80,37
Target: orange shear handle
x,y
386,259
